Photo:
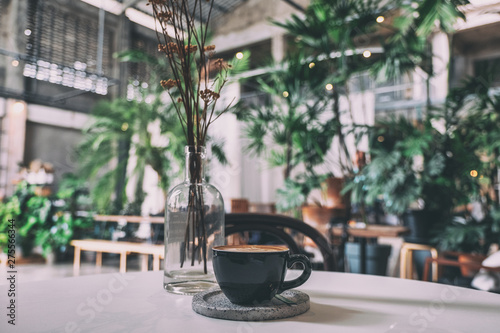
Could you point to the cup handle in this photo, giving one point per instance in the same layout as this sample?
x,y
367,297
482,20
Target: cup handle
x,y
292,259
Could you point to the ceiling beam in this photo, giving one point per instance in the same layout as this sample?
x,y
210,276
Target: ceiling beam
x,y
129,3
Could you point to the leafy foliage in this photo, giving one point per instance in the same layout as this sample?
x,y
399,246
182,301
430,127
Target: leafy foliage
x,y
344,25
50,222
334,30
445,168
120,128
295,191
294,126
9,210
467,235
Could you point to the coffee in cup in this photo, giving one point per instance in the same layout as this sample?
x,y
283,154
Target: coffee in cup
x,y
251,274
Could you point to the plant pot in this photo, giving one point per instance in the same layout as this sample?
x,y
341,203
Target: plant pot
x,y
43,191
420,223
334,198
466,258
320,217
377,256
35,258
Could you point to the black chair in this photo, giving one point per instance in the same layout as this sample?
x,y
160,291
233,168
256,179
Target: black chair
x,y
275,225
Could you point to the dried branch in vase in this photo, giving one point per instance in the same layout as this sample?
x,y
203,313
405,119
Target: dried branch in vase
x,y
182,31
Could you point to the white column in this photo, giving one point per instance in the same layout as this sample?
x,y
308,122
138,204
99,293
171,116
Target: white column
x,y
278,47
16,134
440,62
228,178
272,179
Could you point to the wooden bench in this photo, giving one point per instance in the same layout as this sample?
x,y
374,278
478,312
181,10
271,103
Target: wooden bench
x,y
122,248
130,219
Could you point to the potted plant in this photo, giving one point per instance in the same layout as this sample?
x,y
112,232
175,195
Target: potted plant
x,y
49,222
69,217
9,210
405,172
447,160
404,34
469,238
477,131
296,193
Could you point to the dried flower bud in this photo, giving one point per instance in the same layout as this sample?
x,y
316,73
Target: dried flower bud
x,y
209,48
190,48
208,95
167,84
172,48
166,16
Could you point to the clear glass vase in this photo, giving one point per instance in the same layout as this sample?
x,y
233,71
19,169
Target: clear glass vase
x,y
194,223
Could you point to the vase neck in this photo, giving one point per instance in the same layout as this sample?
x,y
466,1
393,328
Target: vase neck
x,y
195,164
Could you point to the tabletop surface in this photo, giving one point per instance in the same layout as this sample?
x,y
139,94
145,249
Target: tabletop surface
x,y
340,302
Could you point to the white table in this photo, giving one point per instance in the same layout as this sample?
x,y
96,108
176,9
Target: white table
x,y
340,302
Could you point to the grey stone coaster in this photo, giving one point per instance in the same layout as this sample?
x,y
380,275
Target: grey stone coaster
x,y
213,303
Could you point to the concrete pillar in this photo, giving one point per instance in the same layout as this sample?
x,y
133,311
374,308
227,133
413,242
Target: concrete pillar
x,y
16,133
122,44
229,179
3,148
458,70
278,47
440,62
13,39
272,178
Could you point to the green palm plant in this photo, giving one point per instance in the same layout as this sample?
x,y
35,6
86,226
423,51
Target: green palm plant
x,y
108,138
408,46
119,128
337,29
293,126
331,32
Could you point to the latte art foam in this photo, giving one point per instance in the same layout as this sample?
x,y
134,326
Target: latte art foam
x,y
251,248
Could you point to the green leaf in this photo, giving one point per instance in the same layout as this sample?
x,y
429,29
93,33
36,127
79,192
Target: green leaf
x,y
436,165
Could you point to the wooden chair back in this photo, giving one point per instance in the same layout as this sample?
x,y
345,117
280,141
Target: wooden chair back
x,y
282,228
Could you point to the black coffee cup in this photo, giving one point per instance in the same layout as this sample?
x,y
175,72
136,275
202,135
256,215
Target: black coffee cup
x,y
251,274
